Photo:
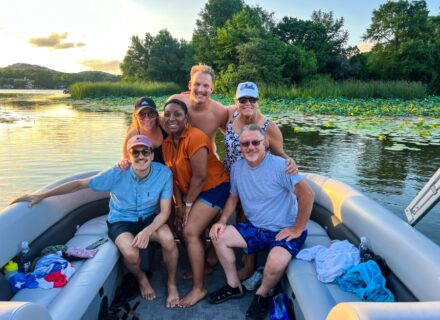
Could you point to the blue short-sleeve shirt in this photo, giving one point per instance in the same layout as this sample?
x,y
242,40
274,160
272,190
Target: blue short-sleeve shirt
x,y
132,198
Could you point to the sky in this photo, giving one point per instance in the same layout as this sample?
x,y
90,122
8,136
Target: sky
x,y
80,35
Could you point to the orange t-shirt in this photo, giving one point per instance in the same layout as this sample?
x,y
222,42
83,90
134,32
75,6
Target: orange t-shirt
x,y
178,159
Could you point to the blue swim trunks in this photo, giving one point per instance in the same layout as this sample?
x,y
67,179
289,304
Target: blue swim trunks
x,y
216,197
258,239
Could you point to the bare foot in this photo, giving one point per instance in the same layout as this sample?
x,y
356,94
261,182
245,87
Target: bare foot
x,y
194,296
208,270
173,297
147,291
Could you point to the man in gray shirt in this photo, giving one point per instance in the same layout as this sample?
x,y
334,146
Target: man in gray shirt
x,y
277,206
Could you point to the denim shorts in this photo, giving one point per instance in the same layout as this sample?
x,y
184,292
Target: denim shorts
x,y
215,197
258,239
116,228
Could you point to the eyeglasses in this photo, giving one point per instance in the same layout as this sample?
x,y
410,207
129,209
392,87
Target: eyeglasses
x,y
136,152
255,143
142,115
243,100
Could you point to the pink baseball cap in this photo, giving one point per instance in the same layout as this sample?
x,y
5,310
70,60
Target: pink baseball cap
x,y
139,140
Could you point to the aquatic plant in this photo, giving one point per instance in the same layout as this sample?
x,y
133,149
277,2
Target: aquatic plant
x,y
81,90
328,88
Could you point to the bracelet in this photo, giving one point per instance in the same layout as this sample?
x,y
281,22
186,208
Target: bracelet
x,y
177,206
188,204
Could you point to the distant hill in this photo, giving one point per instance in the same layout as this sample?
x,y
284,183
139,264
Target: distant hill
x,y
22,75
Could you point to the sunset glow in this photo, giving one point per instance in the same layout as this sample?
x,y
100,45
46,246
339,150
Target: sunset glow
x,y
73,36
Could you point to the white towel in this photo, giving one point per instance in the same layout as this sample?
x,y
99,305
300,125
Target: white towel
x,y
333,261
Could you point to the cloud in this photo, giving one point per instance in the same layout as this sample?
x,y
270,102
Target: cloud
x,y
111,66
366,46
55,41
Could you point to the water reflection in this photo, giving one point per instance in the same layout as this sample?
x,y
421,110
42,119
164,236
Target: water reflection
x,y
42,143
392,178
49,142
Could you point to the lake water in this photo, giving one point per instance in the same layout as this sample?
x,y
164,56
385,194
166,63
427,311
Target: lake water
x,y
40,143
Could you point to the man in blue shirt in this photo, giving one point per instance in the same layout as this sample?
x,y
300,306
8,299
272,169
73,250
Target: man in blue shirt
x,y
277,206
132,221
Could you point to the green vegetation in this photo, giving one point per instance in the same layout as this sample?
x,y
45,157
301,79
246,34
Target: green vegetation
x,y
246,43
159,58
9,95
318,87
81,90
399,124
428,107
348,89
20,75
289,57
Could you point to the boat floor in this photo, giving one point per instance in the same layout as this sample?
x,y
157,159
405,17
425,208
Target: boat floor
x,y
231,309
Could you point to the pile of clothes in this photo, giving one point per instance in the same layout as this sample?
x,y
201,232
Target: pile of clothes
x,y
341,264
52,269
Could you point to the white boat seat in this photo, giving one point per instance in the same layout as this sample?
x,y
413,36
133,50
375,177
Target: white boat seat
x,y
89,276
314,298
23,311
405,251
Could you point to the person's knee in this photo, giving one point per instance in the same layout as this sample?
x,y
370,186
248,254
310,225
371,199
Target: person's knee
x,y
220,241
131,256
275,265
166,240
190,233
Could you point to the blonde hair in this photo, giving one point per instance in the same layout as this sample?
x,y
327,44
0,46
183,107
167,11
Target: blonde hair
x,y
135,123
203,68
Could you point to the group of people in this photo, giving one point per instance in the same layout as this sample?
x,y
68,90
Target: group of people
x,y
171,172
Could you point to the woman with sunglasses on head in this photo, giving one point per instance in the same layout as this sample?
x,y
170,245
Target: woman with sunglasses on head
x,y
247,112
201,187
145,121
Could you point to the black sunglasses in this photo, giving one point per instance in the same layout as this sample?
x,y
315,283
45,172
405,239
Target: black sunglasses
x,y
243,100
255,143
142,115
136,152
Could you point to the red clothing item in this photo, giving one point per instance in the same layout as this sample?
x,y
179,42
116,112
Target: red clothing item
x,y
178,159
57,279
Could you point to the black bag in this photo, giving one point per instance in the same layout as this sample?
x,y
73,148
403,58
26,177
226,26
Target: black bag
x,y
125,312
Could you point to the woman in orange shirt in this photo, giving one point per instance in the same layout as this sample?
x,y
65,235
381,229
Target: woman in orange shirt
x,y
201,187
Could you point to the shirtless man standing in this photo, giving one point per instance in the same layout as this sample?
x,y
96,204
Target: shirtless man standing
x,y
204,113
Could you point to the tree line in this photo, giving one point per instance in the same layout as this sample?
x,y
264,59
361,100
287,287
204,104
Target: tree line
x,y
21,75
245,42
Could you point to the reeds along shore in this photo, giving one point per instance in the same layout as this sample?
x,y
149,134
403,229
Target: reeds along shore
x,y
321,87
81,90
324,88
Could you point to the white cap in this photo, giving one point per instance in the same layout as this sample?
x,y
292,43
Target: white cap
x,y
246,89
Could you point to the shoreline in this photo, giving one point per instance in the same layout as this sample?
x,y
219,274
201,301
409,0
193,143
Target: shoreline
x,y
338,106
399,124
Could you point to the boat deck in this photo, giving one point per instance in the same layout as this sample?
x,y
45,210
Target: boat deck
x,y
232,309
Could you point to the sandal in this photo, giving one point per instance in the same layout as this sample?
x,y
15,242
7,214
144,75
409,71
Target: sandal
x,y
224,294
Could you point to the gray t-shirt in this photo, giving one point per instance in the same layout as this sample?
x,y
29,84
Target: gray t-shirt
x,y
266,192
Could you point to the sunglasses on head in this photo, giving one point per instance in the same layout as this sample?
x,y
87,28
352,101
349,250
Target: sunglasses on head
x,y
150,114
255,143
243,100
136,152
